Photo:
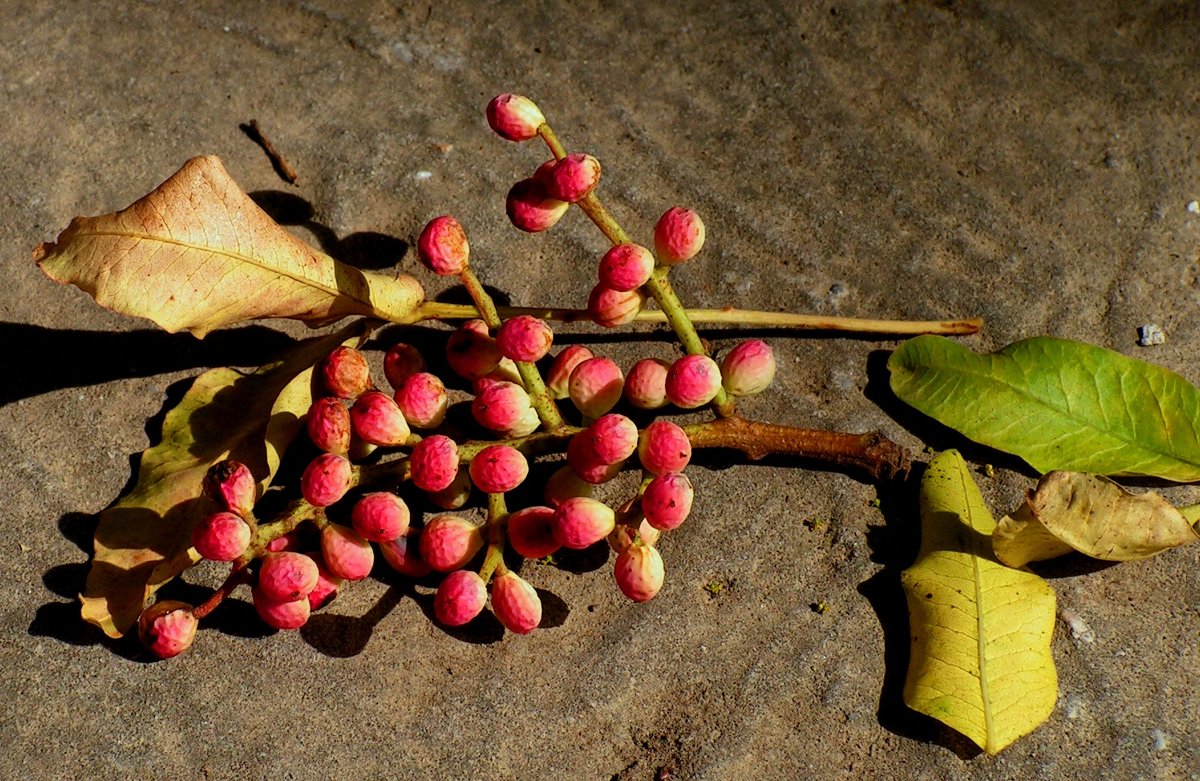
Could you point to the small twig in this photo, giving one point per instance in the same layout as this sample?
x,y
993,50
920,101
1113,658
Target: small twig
x,y
281,166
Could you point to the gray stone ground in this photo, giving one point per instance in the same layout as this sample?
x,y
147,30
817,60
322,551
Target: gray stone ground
x,y
1028,162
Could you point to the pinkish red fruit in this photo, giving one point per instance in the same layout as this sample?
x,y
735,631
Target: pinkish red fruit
x,y
639,572
454,495
292,614
422,398
678,236
693,381
498,469
377,419
434,463
563,485
646,384
287,576
230,484
327,479
285,542
559,375
664,448
586,465
581,522
501,406
460,597
531,532
573,177
346,373
612,438
528,424
471,351
748,368
328,425
505,371
595,386
442,246
531,209
167,628
626,267
667,501
524,338
221,536
402,554
516,603
346,553
448,542
400,362
380,516
514,117
327,585
610,308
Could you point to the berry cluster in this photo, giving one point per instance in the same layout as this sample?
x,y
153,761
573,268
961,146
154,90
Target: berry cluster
x,y
350,504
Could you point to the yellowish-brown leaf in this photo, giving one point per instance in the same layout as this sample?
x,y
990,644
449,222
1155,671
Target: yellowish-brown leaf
x,y
198,254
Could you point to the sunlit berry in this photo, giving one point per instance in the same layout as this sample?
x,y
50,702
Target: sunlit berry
x,y
433,463
531,208
516,603
498,469
678,236
584,462
279,614
423,401
460,597
287,576
612,438
448,542
748,368
610,308
559,375
514,117
524,338
346,373
380,516
230,484
639,572
326,480
442,246
501,406
167,628
346,553
377,419
573,177
581,522
693,381
646,384
667,501
595,386
625,267
328,425
663,447
221,536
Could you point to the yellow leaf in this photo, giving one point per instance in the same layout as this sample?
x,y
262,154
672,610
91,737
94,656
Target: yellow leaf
x,y
981,631
198,254
1090,514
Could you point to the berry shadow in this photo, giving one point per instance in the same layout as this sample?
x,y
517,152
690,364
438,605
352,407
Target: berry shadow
x,y
366,250
342,636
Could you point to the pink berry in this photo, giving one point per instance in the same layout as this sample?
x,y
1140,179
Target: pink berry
x,y
278,614
221,536
528,424
664,448
610,308
327,479
514,117
423,401
328,425
285,542
501,406
595,386
639,572
582,459
287,576
346,553
563,485
327,585
531,209
516,603
460,597
403,555
581,522
524,338
167,628
346,373
454,495
400,362
678,236
564,363
498,469
505,371
623,535
748,368
448,542
574,177
693,381
377,419
380,516
434,463
646,384
667,501
626,267
612,438
231,485
471,352
442,246
531,532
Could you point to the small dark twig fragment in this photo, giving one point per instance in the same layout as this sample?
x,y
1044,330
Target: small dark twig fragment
x,y
281,166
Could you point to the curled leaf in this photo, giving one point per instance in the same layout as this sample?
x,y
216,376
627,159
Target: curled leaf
x,y
981,631
1090,514
144,540
1058,404
198,253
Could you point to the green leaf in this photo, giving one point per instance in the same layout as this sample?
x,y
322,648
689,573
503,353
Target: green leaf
x,y
980,631
144,540
1057,404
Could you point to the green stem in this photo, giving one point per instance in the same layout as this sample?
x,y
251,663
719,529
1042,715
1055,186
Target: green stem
x,y
493,560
